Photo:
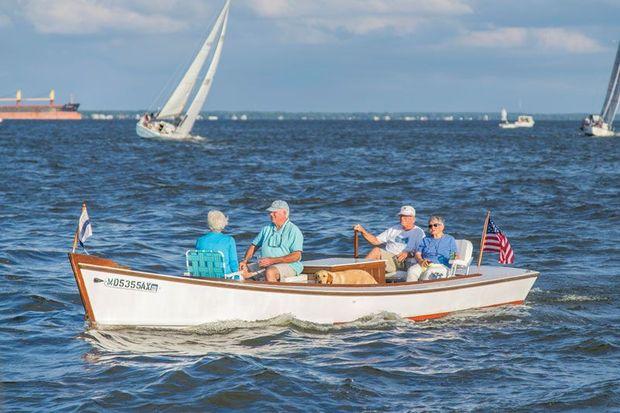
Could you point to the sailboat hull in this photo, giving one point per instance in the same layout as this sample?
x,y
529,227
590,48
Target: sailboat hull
x,y
598,131
146,132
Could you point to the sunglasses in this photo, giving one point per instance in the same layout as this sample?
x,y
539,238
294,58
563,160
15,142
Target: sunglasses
x,y
434,225
275,240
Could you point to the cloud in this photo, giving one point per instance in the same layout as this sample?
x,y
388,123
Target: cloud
x,y
323,20
552,39
89,16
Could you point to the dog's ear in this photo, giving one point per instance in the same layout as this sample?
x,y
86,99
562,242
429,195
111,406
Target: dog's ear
x,y
330,279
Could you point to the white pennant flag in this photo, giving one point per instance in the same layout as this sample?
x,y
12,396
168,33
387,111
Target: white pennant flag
x,y
85,230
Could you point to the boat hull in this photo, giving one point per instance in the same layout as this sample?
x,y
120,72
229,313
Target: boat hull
x,y
507,125
145,132
49,115
516,125
114,296
598,131
68,111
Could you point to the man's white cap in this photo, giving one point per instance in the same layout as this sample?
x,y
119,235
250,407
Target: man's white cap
x,y
407,210
279,204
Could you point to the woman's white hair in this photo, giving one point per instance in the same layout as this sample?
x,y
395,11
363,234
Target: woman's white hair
x,y
217,220
436,218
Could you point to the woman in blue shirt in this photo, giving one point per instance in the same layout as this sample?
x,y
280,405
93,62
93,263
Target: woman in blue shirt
x,y
216,241
434,253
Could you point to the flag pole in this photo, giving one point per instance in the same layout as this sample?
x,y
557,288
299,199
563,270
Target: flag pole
x,y
75,237
483,237
355,243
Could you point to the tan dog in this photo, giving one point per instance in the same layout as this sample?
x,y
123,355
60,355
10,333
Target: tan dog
x,y
345,277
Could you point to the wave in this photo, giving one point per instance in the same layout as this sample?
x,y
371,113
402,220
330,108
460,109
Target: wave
x,y
543,296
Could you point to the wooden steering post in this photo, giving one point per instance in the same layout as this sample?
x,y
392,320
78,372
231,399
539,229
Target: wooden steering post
x,y
355,243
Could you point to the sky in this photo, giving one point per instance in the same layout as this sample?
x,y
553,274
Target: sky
x,y
537,56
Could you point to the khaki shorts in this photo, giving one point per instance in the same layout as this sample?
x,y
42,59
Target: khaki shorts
x,y
391,263
285,270
419,273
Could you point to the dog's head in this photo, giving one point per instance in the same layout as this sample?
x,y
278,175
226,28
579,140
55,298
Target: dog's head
x,y
324,277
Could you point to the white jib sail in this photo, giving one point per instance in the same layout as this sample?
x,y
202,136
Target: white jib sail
x,y
504,115
194,109
613,90
177,101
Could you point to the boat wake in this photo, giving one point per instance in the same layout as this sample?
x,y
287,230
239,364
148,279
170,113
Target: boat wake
x,y
236,337
564,296
267,336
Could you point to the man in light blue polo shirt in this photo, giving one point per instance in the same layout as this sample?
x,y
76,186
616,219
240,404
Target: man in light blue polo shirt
x,y
281,244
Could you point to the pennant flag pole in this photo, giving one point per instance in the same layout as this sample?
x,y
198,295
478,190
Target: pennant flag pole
x,y
483,237
84,229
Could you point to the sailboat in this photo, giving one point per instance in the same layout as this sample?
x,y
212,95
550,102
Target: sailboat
x,y
173,121
523,121
601,125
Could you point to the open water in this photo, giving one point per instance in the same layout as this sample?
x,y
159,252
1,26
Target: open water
x,y
554,192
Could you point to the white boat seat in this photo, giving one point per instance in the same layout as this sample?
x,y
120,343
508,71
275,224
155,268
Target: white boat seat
x,y
396,276
464,249
301,278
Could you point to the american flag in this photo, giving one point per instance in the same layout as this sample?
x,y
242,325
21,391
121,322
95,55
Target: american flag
x,y
496,241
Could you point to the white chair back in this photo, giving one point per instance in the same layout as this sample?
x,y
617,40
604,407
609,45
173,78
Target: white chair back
x,y
465,250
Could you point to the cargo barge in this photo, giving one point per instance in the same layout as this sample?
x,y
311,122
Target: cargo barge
x,y
49,111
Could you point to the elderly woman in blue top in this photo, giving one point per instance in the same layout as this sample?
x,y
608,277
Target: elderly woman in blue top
x,y
281,244
434,252
216,241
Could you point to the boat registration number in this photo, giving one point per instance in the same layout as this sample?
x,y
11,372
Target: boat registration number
x,y
131,284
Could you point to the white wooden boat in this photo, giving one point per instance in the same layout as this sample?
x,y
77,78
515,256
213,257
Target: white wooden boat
x,y
602,125
114,295
173,121
523,121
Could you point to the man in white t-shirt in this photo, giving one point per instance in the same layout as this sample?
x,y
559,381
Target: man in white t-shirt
x,y
400,241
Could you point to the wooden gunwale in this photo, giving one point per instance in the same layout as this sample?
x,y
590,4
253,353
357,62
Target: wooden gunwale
x,y
282,288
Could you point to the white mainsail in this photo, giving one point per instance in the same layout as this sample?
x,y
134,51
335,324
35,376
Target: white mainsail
x,y
177,101
613,92
504,115
194,109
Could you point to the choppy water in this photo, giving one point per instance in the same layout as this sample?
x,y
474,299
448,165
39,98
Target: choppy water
x,y
554,192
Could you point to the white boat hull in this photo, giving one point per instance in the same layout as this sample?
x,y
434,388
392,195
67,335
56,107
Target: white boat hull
x,y
146,132
598,131
114,296
516,125
507,125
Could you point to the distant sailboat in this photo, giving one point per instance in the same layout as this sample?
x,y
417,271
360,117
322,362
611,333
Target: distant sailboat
x,y
601,125
523,121
173,121
504,116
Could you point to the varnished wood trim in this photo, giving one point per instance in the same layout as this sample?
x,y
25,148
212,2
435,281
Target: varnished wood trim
x,y
93,259
310,289
75,260
428,316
